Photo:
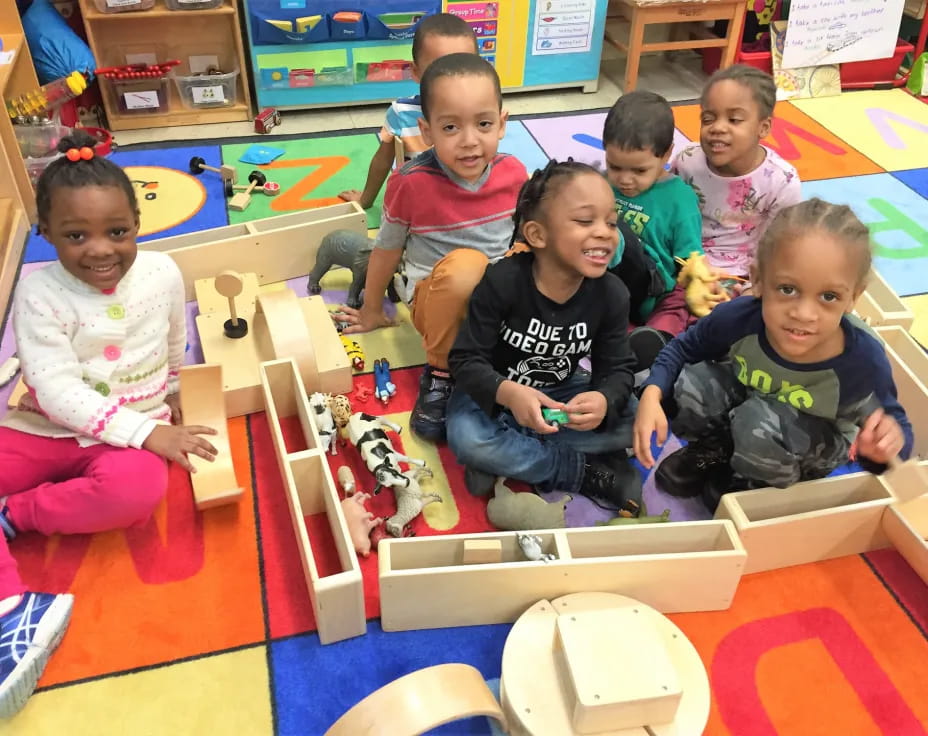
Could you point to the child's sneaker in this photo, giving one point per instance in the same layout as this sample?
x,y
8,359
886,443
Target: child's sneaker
x,y
687,472
28,635
614,480
6,526
428,415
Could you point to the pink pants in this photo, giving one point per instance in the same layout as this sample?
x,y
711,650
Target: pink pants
x,y
55,486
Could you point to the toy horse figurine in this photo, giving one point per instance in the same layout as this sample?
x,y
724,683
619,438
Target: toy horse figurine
x,y
366,433
701,284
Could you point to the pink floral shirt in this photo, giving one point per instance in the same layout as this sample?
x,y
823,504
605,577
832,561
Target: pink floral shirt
x,y
737,209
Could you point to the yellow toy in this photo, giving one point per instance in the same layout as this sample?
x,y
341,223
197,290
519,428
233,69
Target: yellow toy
x,y
354,353
701,284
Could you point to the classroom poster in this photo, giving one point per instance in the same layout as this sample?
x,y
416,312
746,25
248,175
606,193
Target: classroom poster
x,y
563,27
483,18
837,31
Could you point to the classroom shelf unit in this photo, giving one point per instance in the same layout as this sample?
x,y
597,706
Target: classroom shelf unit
x,y
200,39
305,55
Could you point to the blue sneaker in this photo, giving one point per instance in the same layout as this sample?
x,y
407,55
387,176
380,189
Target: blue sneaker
x,y
28,635
6,526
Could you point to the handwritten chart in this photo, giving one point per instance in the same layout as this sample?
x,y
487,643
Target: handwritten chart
x,y
836,31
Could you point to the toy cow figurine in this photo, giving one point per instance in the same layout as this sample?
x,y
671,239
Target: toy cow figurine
x,y
365,432
360,522
410,501
325,424
348,249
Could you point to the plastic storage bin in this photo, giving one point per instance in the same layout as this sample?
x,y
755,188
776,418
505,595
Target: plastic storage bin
x,y
38,144
192,4
141,96
207,90
123,6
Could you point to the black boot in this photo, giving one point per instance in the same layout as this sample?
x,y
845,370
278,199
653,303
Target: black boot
x,y
477,482
614,480
686,472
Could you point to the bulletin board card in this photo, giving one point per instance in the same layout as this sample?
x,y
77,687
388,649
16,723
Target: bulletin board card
x,y
537,42
837,31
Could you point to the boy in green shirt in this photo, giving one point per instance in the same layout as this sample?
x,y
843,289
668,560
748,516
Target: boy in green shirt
x,y
658,207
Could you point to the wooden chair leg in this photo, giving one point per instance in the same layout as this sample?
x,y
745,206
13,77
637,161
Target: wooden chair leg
x,y
421,701
635,42
735,29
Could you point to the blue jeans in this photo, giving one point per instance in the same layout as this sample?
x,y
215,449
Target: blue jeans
x,y
501,446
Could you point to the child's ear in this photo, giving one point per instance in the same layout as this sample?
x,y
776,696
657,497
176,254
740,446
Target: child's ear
x,y
765,125
426,132
754,274
534,233
503,118
665,159
416,74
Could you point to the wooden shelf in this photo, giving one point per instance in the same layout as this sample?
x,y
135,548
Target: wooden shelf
x,y
159,11
169,34
11,42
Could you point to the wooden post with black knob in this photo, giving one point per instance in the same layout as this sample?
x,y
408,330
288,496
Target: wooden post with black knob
x,y
229,285
241,200
198,165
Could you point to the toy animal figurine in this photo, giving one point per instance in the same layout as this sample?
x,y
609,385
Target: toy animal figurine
x,y
9,369
512,511
346,481
365,432
348,249
384,386
325,424
354,353
701,285
410,501
531,548
360,522
341,409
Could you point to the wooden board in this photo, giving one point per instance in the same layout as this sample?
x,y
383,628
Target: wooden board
x,y
910,373
692,566
275,248
337,599
906,525
808,522
201,402
14,230
880,306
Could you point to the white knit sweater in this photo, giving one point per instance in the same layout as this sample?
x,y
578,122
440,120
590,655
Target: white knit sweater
x,y
100,365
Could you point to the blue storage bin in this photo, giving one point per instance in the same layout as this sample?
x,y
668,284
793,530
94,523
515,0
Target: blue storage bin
x,y
340,30
265,32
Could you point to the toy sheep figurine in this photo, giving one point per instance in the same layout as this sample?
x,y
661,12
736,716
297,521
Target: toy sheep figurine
x,y
410,501
348,249
325,424
360,522
365,432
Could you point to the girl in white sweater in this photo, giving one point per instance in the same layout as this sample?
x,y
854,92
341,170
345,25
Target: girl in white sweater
x,y
101,335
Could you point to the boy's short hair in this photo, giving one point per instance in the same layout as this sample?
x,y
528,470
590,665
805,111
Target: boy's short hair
x,y
763,89
456,65
440,24
640,121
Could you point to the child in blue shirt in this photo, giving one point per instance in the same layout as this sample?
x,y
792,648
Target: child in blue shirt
x,y
658,207
771,389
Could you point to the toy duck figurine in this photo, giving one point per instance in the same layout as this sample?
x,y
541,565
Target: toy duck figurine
x,y
700,283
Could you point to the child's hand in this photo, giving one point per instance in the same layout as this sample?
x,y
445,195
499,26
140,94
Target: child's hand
x,y
173,402
525,404
880,438
350,195
175,443
586,410
649,419
363,320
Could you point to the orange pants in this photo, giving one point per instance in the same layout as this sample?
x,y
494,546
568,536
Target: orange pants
x,y
439,303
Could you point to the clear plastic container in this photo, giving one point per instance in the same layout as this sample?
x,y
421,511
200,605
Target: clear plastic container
x,y
123,6
38,141
207,90
192,4
141,96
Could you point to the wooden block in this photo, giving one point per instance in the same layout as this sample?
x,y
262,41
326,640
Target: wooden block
x,y
481,551
17,393
906,525
910,373
228,173
907,480
240,201
810,521
880,306
618,670
674,567
274,248
332,364
288,333
337,599
209,300
201,402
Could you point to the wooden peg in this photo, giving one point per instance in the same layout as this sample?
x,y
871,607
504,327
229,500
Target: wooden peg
x,y
229,284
